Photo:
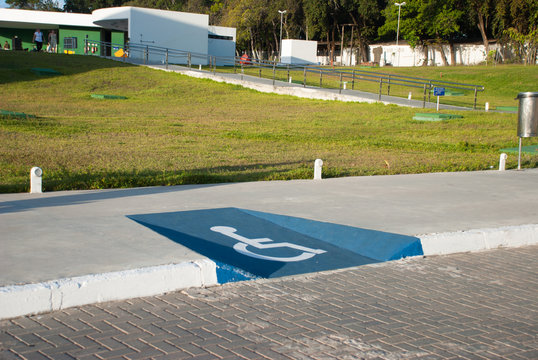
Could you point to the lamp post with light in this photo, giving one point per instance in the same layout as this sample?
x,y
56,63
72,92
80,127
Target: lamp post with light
x,y
399,5
282,12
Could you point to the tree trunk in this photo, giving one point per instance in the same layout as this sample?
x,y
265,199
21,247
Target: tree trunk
x,y
482,29
426,56
452,54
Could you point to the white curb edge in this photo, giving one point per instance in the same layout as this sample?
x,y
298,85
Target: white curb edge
x,y
19,300
479,239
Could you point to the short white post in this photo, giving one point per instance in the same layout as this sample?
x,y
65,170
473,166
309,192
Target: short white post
x,y
36,180
487,106
502,162
317,169
290,80
200,67
345,85
409,96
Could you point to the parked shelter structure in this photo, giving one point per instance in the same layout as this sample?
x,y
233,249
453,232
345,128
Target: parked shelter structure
x,y
176,30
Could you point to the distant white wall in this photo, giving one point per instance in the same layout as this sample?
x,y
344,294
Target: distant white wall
x,y
221,43
299,52
170,29
404,55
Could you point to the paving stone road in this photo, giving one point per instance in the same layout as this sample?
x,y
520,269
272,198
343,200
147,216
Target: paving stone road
x,y
474,305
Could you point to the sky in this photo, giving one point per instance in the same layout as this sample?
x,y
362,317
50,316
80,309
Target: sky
x,y
3,4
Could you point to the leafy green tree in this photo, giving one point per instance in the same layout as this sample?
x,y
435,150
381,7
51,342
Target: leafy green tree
x,y
425,23
365,15
87,6
44,5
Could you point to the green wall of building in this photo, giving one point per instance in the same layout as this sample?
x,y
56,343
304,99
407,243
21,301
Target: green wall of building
x,y
26,36
94,34
80,34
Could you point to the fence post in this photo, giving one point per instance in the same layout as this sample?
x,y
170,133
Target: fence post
x,y
189,59
242,71
475,95
424,101
146,55
274,72
235,70
288,79
340,91
388,87
353,79
380,87
304,76
214,65
260,71
430,91
166,58
320,77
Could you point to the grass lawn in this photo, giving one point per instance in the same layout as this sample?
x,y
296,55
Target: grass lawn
x,y
173,129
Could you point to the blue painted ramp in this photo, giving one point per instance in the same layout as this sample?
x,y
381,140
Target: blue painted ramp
x,y
247,244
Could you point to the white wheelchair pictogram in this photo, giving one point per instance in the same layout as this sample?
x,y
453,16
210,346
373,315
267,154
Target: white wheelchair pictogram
x,y
265,243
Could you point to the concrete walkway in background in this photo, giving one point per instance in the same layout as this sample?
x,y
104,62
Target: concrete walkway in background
x,y
310,92
69,248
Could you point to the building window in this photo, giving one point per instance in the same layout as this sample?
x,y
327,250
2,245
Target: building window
x,y
70,43
220,37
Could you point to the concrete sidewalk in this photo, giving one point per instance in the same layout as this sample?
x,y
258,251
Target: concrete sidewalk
x,y
309,92
65,249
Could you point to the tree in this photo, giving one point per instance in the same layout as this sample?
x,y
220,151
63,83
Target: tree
x,y
481,11
87,6
365,16
425,23
44,5
516,22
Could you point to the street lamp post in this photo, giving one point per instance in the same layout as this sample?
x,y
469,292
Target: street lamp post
x,y
282,12
399,5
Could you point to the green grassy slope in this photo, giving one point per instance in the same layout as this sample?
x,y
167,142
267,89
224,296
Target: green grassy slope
x,y
172,129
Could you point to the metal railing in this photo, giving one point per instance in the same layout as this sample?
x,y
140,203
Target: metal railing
x,y
150,54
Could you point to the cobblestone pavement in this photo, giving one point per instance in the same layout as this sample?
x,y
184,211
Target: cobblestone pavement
x,y
479,305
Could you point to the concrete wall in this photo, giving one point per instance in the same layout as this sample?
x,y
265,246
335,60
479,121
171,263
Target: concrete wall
x,y
221,43
404,55
299,52
169,29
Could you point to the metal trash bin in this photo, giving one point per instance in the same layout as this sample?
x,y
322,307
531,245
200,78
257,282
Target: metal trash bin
x,y
527,125
527,122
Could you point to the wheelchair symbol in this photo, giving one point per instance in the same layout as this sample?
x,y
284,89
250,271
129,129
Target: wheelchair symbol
x,y
263,243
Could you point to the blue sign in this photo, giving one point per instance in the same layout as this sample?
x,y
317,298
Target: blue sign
x,y
438,91
248,244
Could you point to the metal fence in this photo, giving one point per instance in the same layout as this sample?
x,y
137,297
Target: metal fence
x,y
315,76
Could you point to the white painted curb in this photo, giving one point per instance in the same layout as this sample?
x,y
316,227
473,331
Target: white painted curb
x,y
19,300
479,239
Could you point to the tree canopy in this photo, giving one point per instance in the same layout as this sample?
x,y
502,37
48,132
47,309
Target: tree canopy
x,y
354,23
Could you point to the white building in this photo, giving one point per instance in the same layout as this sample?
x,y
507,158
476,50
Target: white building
x,y
299,52
141,27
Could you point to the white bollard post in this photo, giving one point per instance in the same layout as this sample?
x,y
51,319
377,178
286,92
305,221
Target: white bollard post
x,y
36,180
487,106
200,67
317,169
409,96
345,85
290,80
502,162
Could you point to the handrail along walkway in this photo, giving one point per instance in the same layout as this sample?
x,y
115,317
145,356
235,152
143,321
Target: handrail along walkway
x,y
174,56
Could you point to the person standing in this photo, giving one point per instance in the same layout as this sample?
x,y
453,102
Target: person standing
x,y
53,41
38,39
